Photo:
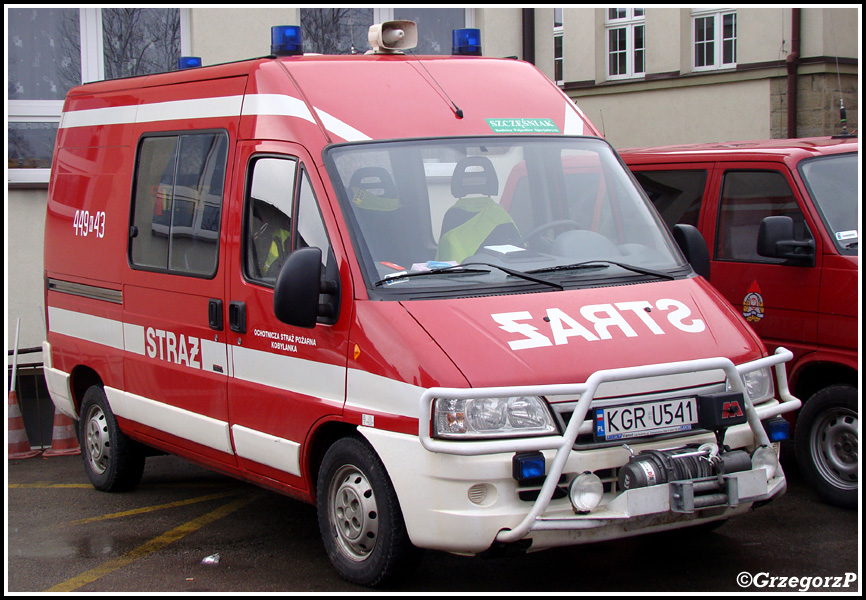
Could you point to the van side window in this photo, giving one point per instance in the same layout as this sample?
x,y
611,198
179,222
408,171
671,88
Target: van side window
x,y
177,203
677,195
748,197
268,235
282,215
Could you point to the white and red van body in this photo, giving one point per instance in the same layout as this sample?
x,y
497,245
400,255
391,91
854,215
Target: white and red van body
x,y
432,379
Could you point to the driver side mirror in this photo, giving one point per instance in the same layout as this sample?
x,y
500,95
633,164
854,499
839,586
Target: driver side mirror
x,y
694,247
298,289
776,240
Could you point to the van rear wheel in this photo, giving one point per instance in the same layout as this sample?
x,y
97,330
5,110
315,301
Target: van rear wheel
x,y
113,462
359,516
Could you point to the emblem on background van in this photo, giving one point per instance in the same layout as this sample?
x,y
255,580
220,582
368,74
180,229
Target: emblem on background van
x,y
753,304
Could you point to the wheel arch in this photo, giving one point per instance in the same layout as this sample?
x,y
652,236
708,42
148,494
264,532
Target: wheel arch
x,y
81,379
814,376
322,438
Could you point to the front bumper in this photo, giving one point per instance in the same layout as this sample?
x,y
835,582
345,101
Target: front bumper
x,y
436,487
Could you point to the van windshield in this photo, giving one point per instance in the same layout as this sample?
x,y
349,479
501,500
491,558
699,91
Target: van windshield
x,y
474,215
833,184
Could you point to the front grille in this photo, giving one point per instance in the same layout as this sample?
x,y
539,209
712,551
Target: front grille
x,y
528,492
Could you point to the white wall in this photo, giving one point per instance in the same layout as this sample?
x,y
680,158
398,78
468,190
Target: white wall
x,y
228,34
721,112
25,224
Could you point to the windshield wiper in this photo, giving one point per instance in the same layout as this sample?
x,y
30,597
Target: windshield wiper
x,y
597,264
436,271
463,269
520,274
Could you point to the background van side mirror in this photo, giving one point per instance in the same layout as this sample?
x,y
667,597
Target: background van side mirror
x,y
694,247
776,240
298,288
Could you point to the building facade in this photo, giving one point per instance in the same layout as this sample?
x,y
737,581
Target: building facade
x,y
644,76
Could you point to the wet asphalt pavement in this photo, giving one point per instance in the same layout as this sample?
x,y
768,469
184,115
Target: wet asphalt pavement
x,y
62,535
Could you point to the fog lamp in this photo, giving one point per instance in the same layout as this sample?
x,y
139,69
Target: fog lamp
x,y
765,458
585,492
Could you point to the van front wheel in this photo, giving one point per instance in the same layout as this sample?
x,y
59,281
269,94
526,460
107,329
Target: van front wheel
x,y
826,437
359,516
113,462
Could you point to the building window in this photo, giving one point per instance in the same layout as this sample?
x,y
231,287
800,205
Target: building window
x,y
557,47
51,50
626,48
715,39
344,30
336,30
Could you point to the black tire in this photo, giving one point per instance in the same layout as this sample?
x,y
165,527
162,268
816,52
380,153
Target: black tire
x,y
360,518
826,444
113,462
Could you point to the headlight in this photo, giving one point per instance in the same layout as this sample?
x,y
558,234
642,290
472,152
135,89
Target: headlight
x,y
491,417
759,385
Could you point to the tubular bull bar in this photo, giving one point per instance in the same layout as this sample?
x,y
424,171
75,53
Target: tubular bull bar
x,y
680,497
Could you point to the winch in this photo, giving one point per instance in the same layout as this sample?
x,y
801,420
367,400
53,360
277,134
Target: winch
x,y
654,467
700,476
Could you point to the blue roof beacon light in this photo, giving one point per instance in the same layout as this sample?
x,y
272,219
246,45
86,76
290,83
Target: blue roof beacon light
x,y
286,40
466,42
188,62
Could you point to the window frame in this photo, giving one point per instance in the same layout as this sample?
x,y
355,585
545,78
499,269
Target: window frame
x,y
718,40
558,46
92,69
631,20
301,183
382,14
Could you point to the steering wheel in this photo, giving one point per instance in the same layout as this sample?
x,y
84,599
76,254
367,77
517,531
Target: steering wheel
x,y
535,231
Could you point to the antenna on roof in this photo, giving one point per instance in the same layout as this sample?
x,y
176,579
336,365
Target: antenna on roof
x,y
843,116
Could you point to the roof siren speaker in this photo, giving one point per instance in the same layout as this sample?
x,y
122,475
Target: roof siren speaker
x,y
392,37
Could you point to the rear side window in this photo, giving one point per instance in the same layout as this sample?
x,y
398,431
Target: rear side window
x,y
748,197
177,203
677,195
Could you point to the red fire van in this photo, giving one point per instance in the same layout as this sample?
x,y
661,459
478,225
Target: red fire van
x,y
781,219
300,271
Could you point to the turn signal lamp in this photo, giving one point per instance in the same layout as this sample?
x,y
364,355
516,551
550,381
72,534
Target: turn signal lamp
x,y
466,42
286,40
188,62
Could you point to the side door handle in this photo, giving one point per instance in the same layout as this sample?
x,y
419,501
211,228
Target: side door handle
x,y
238,317
215,314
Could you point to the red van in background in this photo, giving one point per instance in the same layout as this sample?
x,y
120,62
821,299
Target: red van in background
x,y
781,220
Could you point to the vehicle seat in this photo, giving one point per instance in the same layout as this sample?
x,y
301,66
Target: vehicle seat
x,y
387,224
475,220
